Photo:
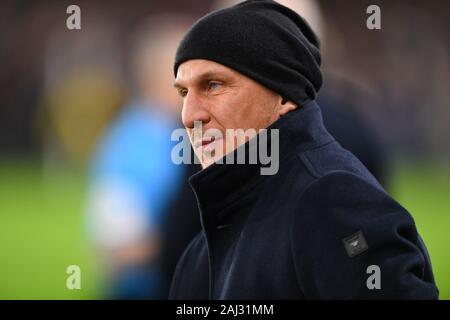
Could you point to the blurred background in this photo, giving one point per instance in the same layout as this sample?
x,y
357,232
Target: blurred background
x,y
86,117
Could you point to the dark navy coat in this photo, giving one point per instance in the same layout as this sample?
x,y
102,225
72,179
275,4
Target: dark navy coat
x,y
314,230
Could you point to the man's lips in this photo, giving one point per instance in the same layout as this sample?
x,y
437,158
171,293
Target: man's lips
x,y
205,141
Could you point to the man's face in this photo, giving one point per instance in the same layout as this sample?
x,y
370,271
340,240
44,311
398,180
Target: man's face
x,y
221,99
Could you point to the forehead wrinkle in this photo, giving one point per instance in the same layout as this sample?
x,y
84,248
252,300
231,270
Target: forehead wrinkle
x,y
195,79
212,72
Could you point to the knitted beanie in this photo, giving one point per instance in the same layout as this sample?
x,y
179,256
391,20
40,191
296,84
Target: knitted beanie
x,y
263,40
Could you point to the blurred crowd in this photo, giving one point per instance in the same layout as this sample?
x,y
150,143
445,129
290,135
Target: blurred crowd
x,y
101,99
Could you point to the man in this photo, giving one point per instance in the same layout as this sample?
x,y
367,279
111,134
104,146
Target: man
x,y
321,227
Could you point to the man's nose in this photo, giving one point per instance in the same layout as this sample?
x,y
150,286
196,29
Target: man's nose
x,y
194,109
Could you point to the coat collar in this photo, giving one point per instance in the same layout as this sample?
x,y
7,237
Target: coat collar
x,y
219,185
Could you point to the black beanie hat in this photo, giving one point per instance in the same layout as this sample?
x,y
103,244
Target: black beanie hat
x,y
263,40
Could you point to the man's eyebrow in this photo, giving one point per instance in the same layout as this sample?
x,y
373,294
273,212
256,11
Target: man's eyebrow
x,y
177,85
201,77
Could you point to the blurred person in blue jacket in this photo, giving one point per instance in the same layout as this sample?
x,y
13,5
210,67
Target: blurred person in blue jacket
x,y
133,182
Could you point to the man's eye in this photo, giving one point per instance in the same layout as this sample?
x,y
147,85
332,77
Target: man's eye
x,y
212,85
182,92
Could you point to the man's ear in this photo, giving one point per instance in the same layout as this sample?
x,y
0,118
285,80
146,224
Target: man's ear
x,y
286,106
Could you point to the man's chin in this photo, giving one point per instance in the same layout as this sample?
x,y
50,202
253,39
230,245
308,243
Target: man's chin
x,y
210,160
